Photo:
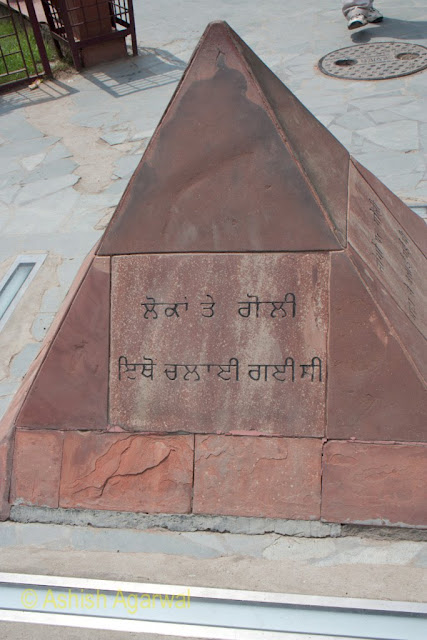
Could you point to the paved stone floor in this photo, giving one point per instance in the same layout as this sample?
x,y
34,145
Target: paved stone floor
x,y
350,567
68,148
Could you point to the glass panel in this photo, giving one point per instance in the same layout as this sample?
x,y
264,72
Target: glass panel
x,y
13,285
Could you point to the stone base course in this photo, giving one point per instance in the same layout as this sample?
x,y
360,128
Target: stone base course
x,y
374,483
37,459
127,472
244,476
5,467
222,476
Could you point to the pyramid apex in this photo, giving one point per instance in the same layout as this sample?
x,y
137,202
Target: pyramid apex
x,y
220,173
217,26
215,23
215,33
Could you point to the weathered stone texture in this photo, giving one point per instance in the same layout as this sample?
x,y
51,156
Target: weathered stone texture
x,y
37,467
257,476
374,483
124,472
374,391
288,403
413,342
70,390
234,184
389,250
5,473
324,159
412,224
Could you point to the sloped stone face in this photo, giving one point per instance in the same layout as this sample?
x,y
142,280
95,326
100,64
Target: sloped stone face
x,y
413,342
277,346
257,476
385,245
70,390
236,186
412,224
374,483
37,468
374,391
388,246
127,473
324,159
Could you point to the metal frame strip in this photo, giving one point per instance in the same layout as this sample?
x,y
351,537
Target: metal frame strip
x,y
219,614
160,628
352,604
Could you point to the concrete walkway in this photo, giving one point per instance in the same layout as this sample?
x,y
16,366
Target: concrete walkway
x,y
348,567
352,566
68,148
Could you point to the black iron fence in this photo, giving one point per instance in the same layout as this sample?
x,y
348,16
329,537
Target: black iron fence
x,y
86,23
23,56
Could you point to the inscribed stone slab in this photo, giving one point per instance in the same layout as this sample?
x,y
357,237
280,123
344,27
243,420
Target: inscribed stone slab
x,y
219,343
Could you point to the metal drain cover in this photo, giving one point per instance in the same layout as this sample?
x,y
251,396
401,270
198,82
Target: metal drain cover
x,y
378,61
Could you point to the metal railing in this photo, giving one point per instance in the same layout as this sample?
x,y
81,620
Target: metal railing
x,y
23,56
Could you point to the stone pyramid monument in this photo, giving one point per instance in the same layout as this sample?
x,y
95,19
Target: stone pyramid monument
x,y
248,337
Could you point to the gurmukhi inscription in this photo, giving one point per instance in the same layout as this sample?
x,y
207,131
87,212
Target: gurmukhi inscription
x,y
219,343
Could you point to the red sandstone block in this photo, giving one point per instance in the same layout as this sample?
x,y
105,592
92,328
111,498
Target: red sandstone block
x,y
207,400
70,389
5,472
374,483
37,467
374,390
127,472
257,476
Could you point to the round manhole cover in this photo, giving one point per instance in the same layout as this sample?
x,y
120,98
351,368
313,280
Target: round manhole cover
x,y
378,61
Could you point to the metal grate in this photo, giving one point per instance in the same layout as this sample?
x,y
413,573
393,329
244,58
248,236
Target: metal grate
x,y
23,54
84,23
378,61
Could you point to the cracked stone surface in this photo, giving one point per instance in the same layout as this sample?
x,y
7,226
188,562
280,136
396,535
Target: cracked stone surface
x,y
130,473
63,145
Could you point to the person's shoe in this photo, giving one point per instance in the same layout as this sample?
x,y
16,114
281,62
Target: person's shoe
x,y
356,20
372,15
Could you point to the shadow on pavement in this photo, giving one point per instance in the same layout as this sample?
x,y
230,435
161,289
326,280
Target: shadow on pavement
x,y
152,68
25,97
393,28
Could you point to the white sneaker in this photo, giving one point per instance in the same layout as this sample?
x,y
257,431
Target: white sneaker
x,y
372,15
356,20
